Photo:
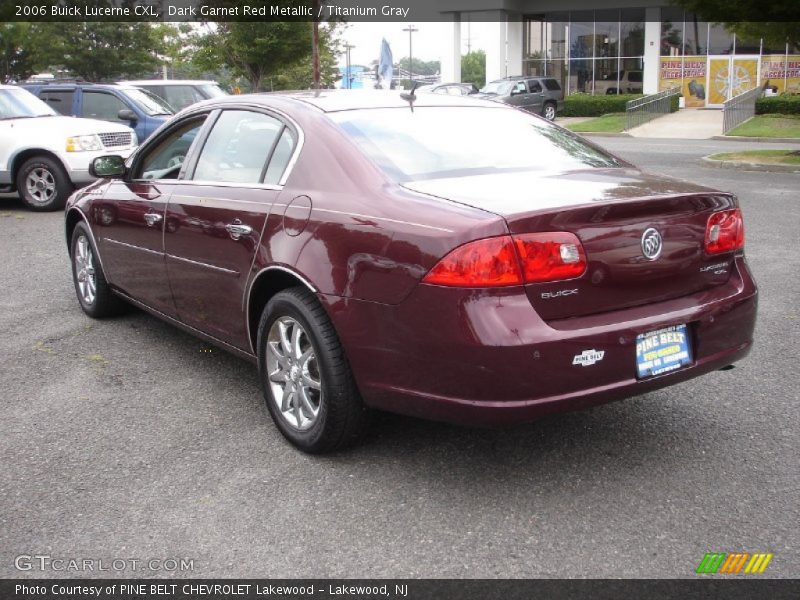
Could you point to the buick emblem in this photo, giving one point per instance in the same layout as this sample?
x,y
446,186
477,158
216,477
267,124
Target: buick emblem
x,y
651,244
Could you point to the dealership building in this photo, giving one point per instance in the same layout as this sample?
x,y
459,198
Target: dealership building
x,y
627,45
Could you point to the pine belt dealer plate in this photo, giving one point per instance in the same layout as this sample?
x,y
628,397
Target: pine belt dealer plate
x,y
662,351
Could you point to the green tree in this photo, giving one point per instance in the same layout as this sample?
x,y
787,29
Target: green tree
x,y
301,75
99,51
18,58
421,67
776,21
267,54
473,68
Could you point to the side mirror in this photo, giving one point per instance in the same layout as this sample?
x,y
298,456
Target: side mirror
x,y
126,114
107,167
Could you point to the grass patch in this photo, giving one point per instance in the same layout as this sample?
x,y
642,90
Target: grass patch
x,y
786,126
611,123
761,157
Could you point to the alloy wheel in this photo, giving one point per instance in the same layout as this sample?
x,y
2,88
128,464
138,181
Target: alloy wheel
x,y
293,374
550,112
41,185
84,270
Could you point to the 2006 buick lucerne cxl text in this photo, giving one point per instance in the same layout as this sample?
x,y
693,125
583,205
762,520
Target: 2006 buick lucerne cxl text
x,y
444,257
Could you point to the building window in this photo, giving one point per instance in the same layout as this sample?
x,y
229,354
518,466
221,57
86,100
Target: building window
x,y
587,51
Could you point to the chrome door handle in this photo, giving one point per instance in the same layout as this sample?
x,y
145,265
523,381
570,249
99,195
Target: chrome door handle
x,y
152,218
237,229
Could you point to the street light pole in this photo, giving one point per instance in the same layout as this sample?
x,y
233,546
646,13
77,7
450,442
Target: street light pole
x,y
410,29
348,74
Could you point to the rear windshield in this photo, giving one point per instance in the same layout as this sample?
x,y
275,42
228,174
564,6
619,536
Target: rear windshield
x,y
441,142
552,85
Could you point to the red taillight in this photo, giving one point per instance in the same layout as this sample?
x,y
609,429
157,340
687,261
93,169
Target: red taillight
x,y
485,263
724,231
550,256
495,262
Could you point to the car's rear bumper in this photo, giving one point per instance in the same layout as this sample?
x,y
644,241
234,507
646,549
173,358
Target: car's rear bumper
x,y
486,358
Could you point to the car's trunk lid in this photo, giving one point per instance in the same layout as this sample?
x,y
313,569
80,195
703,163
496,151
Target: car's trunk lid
x,y
609,210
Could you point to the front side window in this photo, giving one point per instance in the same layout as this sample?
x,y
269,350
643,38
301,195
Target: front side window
x,y
164,159
103,106
148,102
238,147
433,143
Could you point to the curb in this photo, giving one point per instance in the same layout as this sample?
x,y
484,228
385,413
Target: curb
x,y
602,134
741,138
748,166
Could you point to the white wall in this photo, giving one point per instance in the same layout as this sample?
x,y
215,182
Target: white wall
x,y
450,54
652,49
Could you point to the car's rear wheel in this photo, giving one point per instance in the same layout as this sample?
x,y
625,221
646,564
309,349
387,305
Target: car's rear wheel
x,y
549,111
94,295
43,184
306,379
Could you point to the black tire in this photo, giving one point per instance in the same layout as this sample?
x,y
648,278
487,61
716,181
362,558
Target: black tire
x,y
104,302
611,91
342,416
52,187
549,111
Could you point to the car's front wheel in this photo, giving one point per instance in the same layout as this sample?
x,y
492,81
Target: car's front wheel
x,y
94,295
549,111
306,379
43,184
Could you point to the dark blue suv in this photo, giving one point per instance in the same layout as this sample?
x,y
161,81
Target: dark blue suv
x,y
139,109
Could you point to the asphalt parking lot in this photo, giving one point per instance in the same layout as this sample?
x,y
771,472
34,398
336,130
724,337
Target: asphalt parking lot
x,y
127,438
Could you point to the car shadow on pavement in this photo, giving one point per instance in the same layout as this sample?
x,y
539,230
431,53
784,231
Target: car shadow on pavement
x,y
664,431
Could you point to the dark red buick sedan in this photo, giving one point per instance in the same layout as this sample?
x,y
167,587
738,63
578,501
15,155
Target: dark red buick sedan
x,y
448,258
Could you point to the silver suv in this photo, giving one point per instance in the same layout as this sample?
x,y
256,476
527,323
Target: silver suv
x,y
540,95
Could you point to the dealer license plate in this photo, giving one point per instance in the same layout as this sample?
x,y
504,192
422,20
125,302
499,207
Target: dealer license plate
x,y
662,351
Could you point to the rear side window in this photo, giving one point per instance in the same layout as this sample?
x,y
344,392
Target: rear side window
x,y
99,105
552,85
635,76
237,148
534,86
60,101
280,157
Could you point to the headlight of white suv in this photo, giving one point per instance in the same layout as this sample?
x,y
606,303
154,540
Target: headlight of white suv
x,y
84,143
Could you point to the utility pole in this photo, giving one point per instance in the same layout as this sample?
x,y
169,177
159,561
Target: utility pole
x,y
315,45
410,29
348,74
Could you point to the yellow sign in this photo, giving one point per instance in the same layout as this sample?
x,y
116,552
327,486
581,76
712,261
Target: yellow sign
x,y
687,73
781,73
729,77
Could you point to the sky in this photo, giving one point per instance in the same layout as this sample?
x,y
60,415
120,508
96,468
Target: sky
x,y
427,42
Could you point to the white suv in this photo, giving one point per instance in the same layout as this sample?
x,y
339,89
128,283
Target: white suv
x,y
44,156
626,82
